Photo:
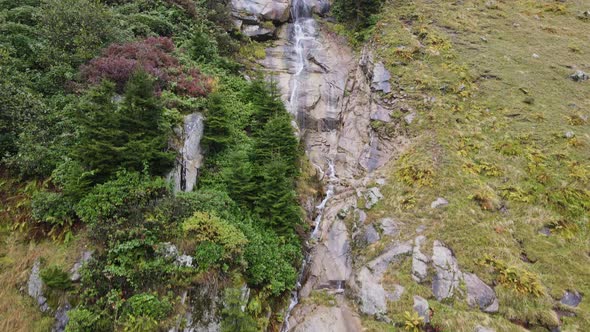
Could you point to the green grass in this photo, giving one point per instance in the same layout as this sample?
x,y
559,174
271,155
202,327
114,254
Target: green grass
x,y
493,142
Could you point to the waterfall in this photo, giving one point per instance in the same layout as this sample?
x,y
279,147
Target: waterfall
x,y
304,39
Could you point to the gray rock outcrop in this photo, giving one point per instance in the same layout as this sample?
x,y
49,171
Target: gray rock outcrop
x,y
579,76
422,308
75,270
35,287
190,158
381,78
419,261
448,276
261,10
372,197
479,294
372,296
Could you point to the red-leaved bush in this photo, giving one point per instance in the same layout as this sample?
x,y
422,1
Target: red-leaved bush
x,y
155,56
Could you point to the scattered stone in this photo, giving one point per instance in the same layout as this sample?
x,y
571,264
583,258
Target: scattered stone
x,y
35,287
569,134
381,181
381,77
420,229
480,328
410,118
479,294
419,261
371,235
372,197
389,226
75,271
545,231
448,275
536,56
184,261
439,202
422,308
571,298
579,76
483,39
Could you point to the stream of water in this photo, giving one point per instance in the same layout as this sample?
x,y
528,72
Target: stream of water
x,y
304,39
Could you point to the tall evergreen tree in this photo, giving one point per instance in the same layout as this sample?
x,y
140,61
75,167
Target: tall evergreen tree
x,y
277,200
217,131
277,140
267,103
141,117
240,179
356,12
100,138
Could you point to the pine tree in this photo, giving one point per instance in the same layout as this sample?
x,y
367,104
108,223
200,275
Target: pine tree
x,y
267,103
141,116
217,132
357,13
277,201
100,138
240,179
277,140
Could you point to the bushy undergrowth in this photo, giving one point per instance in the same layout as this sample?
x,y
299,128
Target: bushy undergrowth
x,y
93,91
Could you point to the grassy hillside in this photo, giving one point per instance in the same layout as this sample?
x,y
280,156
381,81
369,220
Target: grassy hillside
x,y
502,132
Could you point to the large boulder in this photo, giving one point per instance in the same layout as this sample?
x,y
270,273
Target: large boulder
x,y
479,294
263,10
448,275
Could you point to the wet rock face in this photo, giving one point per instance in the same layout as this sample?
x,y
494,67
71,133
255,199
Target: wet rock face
x,y
448,276
479,294
61,318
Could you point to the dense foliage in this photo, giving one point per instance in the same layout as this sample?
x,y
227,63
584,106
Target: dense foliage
x,y
357,13
91,92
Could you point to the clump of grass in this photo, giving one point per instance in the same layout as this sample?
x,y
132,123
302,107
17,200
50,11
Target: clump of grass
x,y
414,171
519,280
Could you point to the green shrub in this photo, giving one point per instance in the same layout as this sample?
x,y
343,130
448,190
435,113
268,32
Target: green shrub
x,y
83,320
147,305
56,279
52,208
208,255
204,227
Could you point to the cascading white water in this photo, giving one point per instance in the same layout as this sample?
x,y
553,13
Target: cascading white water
x,y
304,40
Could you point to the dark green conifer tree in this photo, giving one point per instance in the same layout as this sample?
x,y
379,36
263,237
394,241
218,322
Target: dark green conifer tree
x,y
277,200
100,138
277,140
357,13
217,131
146,139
